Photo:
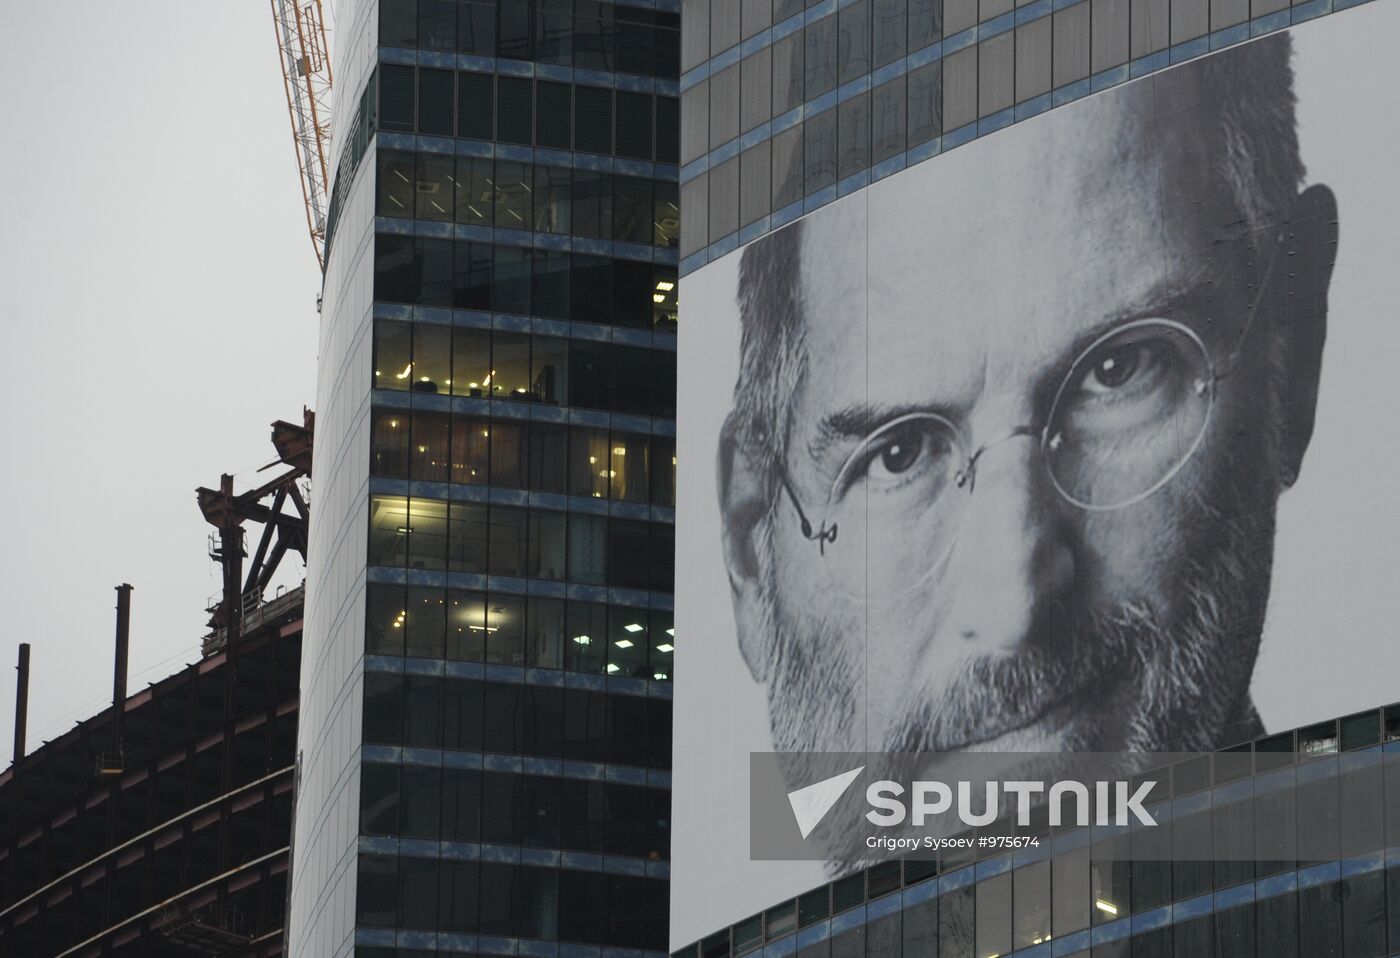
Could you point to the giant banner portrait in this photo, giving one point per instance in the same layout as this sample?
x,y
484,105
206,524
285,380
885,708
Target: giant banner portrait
x,y
1079,437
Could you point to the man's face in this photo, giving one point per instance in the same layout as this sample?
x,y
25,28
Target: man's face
x,y
1015,620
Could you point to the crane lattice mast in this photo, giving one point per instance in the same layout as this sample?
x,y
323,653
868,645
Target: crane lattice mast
x,y
306,77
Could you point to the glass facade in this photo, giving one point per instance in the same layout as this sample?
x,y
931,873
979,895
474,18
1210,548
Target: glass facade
x,y
788,106
485,767
1086,893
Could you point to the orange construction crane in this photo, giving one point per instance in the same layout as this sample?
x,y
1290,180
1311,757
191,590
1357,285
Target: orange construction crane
x,y
306,77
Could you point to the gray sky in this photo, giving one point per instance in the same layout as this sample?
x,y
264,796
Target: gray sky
x,y
157,302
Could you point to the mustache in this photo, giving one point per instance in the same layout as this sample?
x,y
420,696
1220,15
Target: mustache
x,y
1073,656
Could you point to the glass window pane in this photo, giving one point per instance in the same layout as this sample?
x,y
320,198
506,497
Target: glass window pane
x,y
548,457
544,623
553,32
466,626
592,204
459,892
586,647
510,365
379,799
383,718
666,215
853,132
634,126
821,57
820,152
590,293
505,629
632,293
398,23
377,891
436,188
461,803
547,548
512,194
430,447
593,119
890,30
627,642
472,279
469,525
508,541
513,37
588,458
552,199
384,618
422,700
388,444
437,24
588,550
1031,897
420,797
788,73
436,106
756,93
427,535
661,635
462,711
388,530
395,184
549,367
470,450
554,115
510,281
628,554
432,358
787,167
436,279
925,103
393,354
394,273
515,115
508,454
396,97
550,292
476,98
853,41
476,28
630,467
425,622
474,179
631,210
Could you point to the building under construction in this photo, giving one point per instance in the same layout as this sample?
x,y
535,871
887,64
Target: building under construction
x,y
161,826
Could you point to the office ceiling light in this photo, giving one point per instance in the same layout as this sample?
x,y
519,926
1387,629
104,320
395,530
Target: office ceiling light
x,y
671,633
1107,907
658,297
623,643
665,647
665,285
582,639
632,627
659,676
613,668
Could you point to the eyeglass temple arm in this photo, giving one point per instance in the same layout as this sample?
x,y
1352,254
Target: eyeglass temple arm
x,y
821,536
1232,359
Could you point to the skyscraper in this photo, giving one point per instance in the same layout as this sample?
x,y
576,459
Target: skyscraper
x,y
485,751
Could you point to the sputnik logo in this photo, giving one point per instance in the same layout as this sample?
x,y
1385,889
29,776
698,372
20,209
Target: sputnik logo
x,y
811,803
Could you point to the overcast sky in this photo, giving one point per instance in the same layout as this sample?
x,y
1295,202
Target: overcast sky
x,y
157,303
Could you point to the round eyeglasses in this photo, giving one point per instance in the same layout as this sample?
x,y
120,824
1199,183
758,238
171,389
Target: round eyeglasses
x,y
1128,415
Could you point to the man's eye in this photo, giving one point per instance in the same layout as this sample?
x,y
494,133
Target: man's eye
x,y
1120,367
900,453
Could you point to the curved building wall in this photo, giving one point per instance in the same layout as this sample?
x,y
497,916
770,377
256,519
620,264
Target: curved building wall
x,y
323,884
1031,410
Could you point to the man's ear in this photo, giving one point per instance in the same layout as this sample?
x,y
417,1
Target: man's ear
x,y
1309,252
744,503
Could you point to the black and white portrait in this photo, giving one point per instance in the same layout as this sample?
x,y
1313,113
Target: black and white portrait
x,y
1078,437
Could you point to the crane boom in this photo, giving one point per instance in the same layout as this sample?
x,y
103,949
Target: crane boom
x,y
306,78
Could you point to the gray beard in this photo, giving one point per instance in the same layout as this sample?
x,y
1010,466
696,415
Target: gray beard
x,y
1178,685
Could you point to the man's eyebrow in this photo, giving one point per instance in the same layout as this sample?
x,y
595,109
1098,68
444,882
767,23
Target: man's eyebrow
x,y
856,421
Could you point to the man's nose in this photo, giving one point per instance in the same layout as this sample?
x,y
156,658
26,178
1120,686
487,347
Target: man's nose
x,y
1013,561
